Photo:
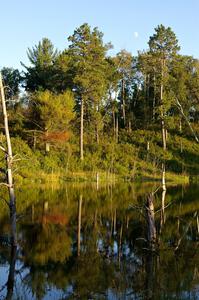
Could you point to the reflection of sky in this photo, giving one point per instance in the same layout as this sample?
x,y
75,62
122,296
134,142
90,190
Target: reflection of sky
x,y
131,260
3,279
21,290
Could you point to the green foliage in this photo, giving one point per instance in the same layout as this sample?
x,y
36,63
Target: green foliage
x,y
11,79
164,42
54,112
39,76
125,99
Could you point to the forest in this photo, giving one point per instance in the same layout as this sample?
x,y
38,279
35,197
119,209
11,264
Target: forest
x,y
86,136
81,112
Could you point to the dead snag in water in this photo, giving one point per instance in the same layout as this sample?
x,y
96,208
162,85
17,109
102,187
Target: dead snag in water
x,y
9,162
150,217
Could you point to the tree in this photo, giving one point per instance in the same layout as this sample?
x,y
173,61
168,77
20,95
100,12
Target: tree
x,y
12,79
89,68
63,72
124,63
163,46
9,163
39,76
51,113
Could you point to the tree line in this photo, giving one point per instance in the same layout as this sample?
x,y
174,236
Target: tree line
x,y
82,101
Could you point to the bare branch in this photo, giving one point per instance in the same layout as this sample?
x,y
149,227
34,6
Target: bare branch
x,y
3,149
179,106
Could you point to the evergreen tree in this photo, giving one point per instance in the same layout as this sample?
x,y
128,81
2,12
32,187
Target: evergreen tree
x,y
39,76
163,46
89,66
124,62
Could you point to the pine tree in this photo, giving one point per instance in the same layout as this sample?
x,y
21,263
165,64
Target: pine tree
x,y
89,68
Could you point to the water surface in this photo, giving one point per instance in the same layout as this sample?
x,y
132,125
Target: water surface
x,y
82,242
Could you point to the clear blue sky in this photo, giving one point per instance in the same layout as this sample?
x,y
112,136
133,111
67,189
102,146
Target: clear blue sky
x,y
126,23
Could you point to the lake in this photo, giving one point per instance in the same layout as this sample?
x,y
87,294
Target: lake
x,y
82,241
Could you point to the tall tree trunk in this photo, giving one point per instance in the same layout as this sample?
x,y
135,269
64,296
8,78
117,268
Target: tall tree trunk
x,y
9,161
154,94
97,134
180,127
116,129
47,145
164,142
162,107
82,131
114,122
123,103
164,133
97,123
163,177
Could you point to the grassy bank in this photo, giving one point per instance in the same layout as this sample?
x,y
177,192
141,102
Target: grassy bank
x,y
128,160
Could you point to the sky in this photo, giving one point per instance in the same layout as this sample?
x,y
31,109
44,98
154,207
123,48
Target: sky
x,y
125,23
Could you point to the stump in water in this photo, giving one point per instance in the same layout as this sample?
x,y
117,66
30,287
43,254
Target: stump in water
x,y
151,229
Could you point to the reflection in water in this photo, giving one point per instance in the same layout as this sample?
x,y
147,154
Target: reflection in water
x,y
79,225
150,218
93,244
10,282
10,241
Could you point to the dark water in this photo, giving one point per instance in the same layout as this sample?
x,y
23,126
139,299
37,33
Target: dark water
x,y
80,242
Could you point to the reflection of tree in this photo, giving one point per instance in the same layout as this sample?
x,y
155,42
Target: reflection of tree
x,y
46,243
110,226
79,225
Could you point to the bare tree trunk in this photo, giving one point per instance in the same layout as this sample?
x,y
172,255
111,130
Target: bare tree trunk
x,y
151,229
154,94
163,177
44,215
164,141
180,128
117,129
114,126
97,181
82,131
162,108
79,225
123,103
187,120
97,134
197,221
164,132
129,126
9,161
162,213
